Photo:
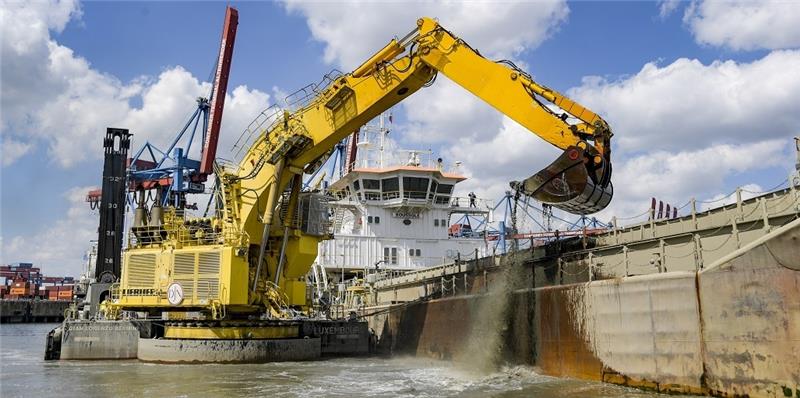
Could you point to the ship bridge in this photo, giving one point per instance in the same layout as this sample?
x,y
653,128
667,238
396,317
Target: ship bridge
x,y
406,188
392,214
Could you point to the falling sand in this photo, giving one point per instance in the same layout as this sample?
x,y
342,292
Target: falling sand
x,y
484,350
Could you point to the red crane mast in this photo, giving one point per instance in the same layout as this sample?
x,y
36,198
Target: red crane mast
x,y
219,90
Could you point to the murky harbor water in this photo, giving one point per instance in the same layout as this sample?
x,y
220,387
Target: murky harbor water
x,y
23,373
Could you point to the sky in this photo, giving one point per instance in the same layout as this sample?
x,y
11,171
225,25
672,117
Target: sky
x,y
702,96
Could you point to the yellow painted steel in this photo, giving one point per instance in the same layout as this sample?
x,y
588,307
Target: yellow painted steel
x,y
235,333
250,191
145,281
392,50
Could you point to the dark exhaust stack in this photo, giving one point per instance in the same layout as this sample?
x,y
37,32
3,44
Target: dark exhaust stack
x,y
570,185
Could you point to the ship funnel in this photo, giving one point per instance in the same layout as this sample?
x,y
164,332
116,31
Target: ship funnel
x,y
567,183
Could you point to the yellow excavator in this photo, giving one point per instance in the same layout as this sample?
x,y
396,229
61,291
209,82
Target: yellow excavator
x,y
250,259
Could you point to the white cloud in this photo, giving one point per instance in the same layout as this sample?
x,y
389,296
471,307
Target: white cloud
x,y
54,97
169,102
745,24
352,31
24,58
667,7
74,115
687,104
685,129
445,112
241,106
493,160
26,24
12,150
676,177
60,246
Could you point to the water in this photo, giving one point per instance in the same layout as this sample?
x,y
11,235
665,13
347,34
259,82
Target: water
x,y
23,373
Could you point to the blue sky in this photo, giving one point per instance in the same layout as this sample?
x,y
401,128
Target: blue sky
x,y
701,99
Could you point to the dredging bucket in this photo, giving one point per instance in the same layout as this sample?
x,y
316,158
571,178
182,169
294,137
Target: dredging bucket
x,y
568,185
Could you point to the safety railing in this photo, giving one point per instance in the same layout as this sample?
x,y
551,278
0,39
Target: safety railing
x,y
687,243
183,231
262,123
468,202
301,98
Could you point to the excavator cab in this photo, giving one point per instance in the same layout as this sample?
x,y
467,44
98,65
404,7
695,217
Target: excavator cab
x,y
575,182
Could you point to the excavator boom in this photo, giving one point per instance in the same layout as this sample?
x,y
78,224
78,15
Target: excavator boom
x,y
253,255
578,182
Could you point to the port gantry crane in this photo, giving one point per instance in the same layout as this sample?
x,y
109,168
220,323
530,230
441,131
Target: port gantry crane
x,y
249,260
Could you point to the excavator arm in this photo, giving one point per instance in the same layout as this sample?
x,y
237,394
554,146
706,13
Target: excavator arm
x,y
579,181
265,186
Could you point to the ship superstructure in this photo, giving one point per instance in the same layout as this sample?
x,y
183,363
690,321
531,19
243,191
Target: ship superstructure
x,y
393,209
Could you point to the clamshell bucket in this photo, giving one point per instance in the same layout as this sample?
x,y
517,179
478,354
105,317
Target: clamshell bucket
x,y
566,184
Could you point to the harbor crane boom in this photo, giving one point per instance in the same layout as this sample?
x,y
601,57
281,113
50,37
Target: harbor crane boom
x,y
218,91
252,256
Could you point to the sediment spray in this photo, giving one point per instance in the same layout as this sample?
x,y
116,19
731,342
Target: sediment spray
x,y
485,349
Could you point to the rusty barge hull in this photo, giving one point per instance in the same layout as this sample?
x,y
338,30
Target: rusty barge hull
x,y
731,328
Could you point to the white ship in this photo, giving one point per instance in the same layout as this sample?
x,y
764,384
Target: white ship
x,y
395,209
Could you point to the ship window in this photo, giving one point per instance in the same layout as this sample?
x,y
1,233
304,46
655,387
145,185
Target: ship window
x,y
371,184
369,219
444,222
434,186
446,189
390,184
356,187
390,255
391,188
377,220
415,187
419,253
411,252
372,195
435,222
